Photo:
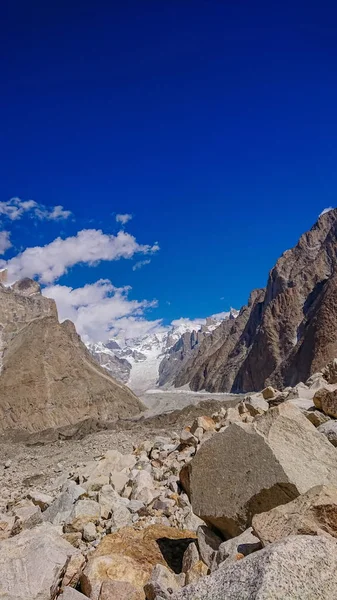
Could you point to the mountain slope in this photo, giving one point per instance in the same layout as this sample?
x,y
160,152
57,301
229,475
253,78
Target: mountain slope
x,y
48,377
155,359
290,331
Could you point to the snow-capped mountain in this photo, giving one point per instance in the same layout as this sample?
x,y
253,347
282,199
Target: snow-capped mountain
x,y
136,361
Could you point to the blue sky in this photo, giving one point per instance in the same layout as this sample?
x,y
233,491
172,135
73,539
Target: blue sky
x,y
213,123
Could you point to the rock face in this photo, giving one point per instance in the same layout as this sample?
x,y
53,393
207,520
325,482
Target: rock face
x,y
313,513
287,332
48,377
300,568
216,360
249,468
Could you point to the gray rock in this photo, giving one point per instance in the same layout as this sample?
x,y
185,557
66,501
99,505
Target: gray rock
x,y
313,513
256,405
89,532
121,517
84,511
329,429
59,511
109,500
33,563
28,515
297,568
40,499
118,481
249,468
244,544
161,584
316,417
208,544
190,558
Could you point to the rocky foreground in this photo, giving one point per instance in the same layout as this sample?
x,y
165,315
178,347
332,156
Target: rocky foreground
x,y
239,504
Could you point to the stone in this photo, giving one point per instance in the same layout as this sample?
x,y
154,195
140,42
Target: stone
x,y
119,590
121,517
244,544
326,400
161,584
268,393
143,488
191,557
109,500
40,499
7,524
227,486
313,513
187,438
206,423
297,568
89,533
84,511
130,555
329,429
33,563
256,405
68,593
27,515
74,570
118,481
208,544
59,511
197,571
316,417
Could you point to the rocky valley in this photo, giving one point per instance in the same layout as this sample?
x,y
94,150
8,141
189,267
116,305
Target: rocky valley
x,y
215,478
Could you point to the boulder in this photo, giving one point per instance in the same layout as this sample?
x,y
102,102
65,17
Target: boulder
x,y
27,515
119,590
297,568
85,511
143,488
89,532
40,499
255,405
243,545
59,511
313,513
329,429
326,400
161,583
197,571
118,481
316,417
190,558
33,563
206,424
268,393
130,555
208,544
109,500
251,468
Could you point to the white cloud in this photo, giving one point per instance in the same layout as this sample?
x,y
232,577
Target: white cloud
x,y
140,264
101,311
326,210
123,218
89,246
5,242
15,209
